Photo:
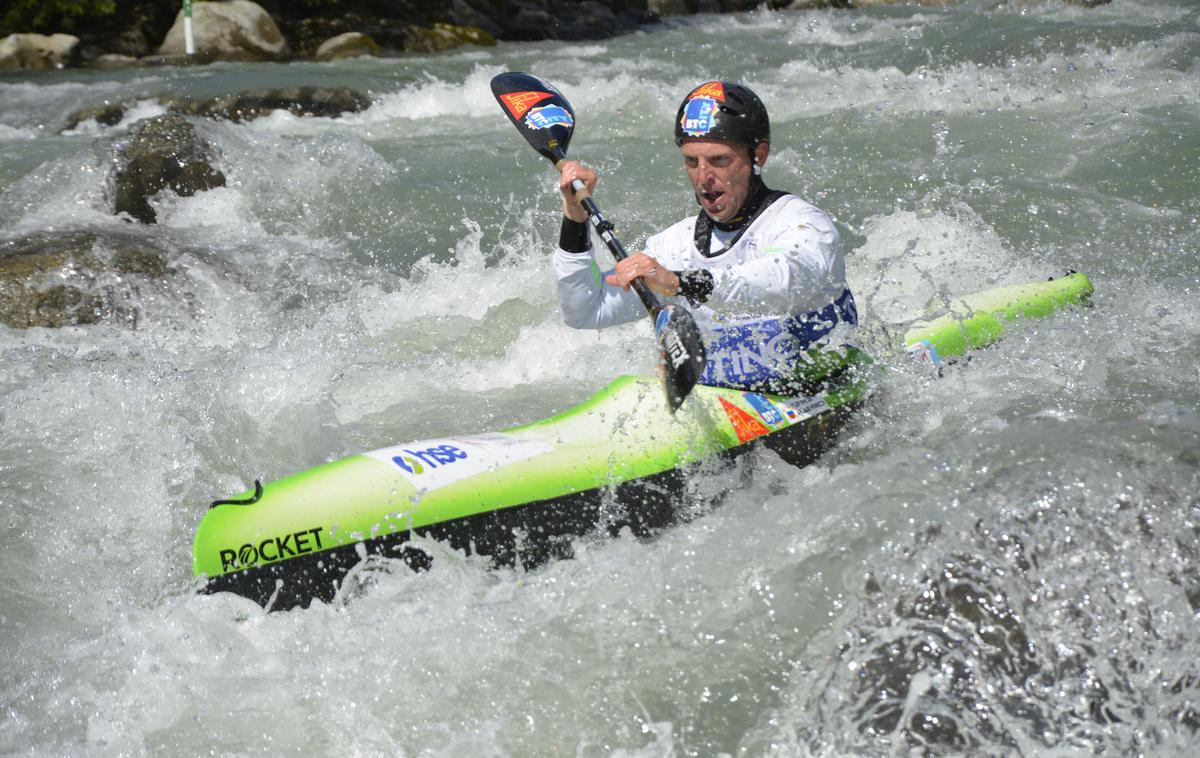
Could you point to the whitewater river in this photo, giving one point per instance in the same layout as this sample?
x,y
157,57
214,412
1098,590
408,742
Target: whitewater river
x,y
1003,560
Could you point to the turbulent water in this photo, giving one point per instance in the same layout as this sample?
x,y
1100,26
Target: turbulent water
x,y
1003,559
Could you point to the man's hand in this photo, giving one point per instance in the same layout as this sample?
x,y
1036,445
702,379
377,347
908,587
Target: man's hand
x,y
569,171
639,265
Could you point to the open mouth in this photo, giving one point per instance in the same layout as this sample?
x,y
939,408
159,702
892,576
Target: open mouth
x,y
712,197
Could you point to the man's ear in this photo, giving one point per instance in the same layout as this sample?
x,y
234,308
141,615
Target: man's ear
x,y
760,154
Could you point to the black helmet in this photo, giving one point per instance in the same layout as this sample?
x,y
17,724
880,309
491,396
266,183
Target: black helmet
x,y
725,111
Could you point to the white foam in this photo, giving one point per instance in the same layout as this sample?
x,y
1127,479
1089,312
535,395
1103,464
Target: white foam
x,y
917,261
16,134
434,98
722,635
137,111
803,89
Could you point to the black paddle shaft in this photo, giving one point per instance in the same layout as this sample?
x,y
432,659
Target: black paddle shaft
x,y
544,117
608,234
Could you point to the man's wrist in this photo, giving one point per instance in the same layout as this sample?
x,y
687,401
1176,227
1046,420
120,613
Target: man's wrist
x,y
695,284
573,236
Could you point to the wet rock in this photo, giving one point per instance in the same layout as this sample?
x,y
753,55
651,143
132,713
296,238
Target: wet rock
x,y
38,51
424,39
531,24
391,36
736,5
76,278
347,45
582,21
812,4
114,62
462,13
442,36
306,35
252,104
143,26
472,35
232,30
668,7
922,677
244,106
162,153
105,114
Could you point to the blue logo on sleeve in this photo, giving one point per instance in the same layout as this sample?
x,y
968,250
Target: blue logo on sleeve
x,y
548,116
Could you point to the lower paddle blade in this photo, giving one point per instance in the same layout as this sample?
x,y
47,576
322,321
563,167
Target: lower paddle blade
x,y
682,358
538,110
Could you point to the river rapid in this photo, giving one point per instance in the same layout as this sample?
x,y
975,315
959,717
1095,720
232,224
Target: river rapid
x,y
1001,559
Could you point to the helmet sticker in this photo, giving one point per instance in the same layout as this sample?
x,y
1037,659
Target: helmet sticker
x,y
699,116
548,116
713,90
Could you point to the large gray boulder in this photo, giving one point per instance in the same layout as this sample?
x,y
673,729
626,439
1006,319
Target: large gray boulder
x,y
347,45
82,277
162,153
668,7
38,51
233,30
329,102
299,101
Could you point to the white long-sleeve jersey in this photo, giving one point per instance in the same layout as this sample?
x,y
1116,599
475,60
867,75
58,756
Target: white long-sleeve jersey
x,y
778,291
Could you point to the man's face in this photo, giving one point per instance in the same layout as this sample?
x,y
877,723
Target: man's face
x,y
720,174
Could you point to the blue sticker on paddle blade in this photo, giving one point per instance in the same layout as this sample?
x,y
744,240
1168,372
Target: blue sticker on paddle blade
x,y
699,116
548,116
663,320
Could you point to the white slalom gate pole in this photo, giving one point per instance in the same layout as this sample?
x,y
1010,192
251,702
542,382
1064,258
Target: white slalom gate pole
x,y
189,38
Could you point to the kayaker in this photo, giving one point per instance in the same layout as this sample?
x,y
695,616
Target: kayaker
x,y
763,270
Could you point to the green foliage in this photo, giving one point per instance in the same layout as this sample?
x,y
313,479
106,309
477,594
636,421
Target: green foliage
x,y
48,16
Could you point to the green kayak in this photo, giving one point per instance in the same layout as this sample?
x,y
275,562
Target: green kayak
x,y
522,495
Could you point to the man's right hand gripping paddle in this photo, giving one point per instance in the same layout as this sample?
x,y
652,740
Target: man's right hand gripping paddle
x,y
546,119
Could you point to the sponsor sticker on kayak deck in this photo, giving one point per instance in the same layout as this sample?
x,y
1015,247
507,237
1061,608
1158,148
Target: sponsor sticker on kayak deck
x,y
745,426
804,407
924,352
765,408
435,463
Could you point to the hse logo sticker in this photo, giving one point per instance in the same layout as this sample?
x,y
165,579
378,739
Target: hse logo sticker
x,y
431,464
548,116
415,461
744,425
271,550
519,102
711,90
699,116
766,409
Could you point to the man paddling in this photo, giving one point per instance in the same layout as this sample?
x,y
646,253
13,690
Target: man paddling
x,y
763,270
